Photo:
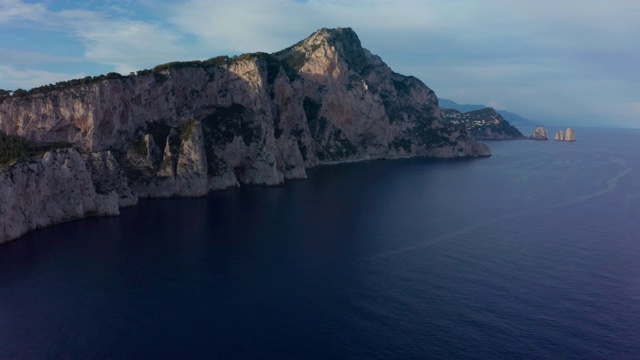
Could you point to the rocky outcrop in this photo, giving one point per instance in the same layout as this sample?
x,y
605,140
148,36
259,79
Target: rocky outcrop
x,y
540,134
183,129
570,135
179,170
559,136
54,188
484,124
109,177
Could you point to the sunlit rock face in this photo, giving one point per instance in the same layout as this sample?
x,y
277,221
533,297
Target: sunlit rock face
x,y
183,129
540,134
570,136
356,107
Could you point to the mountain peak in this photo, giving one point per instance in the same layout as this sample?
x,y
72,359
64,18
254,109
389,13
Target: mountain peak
x,y
344,41
333,36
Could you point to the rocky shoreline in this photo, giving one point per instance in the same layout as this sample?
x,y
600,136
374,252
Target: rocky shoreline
x,y
185,129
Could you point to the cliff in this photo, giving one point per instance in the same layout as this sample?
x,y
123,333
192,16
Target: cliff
x,y
58,186
183,129
559,136
484,124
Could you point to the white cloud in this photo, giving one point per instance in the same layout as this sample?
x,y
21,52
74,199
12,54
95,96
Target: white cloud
x,y
541,56
239,25
130,45
13,56
15,78
16,10
270,25
108,38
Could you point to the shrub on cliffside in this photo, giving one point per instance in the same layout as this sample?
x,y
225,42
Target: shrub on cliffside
x,y
13,148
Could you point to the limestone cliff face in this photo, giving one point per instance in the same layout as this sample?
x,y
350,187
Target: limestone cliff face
x,y
540,134
183,129
324,99
179,169
357,108
570,135
56,187
108,177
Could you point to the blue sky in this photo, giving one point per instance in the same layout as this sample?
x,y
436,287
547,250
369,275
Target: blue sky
x,y
573,62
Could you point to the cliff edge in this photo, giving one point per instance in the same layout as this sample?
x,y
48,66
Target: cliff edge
x,y
54,188
185,128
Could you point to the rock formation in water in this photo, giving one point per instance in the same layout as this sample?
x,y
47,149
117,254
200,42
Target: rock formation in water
x,y
570,135
484,124
540,134
185,128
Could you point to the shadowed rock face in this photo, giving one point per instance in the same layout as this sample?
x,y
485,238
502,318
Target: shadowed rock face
x,y
183,129
54,188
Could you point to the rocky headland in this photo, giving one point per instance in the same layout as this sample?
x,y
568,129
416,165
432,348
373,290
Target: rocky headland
x,y
484,124
186,128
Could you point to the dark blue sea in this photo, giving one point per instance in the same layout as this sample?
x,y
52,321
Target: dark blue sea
x,y
533,253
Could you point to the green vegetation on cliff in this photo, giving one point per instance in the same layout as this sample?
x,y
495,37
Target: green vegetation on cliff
x,y
483,124
14,148
161,73
187,129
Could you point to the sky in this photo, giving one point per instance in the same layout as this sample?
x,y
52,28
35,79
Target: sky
x,y
569,62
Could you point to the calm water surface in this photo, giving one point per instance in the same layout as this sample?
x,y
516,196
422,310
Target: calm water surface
x,y
532,253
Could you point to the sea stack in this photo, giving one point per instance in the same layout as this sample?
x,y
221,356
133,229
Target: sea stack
x,y
559,136
570,135
540,134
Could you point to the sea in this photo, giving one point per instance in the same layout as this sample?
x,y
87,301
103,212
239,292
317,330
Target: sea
x,y
533,253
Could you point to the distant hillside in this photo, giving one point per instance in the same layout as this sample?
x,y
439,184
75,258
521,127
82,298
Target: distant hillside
x,y
484,124
513,118
463,108
516,119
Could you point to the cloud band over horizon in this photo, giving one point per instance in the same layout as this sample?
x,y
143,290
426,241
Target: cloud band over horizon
x,y
568,63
